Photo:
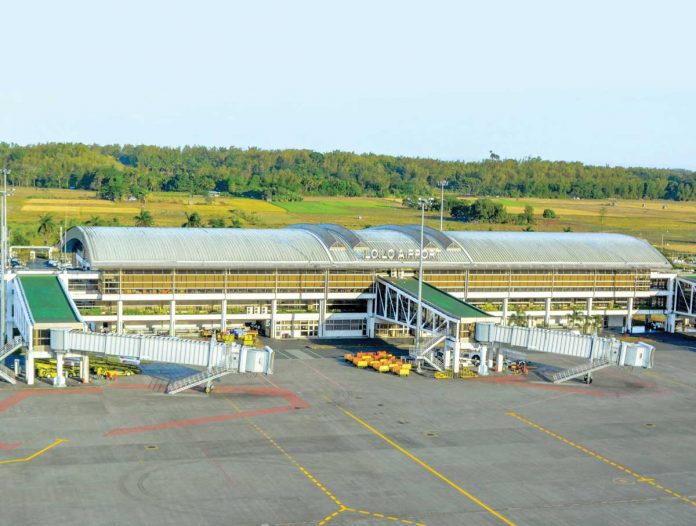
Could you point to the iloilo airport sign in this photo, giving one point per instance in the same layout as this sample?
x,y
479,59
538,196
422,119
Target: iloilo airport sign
x,y
400,254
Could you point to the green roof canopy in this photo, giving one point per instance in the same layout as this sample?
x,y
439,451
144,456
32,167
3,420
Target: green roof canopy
x,y
439,299
47,301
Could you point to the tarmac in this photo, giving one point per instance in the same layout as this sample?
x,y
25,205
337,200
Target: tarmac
x,y
322,442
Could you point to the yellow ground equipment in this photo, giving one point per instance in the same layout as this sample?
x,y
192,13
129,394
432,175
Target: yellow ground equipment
x,y
380,361
448,374
109,369
49,369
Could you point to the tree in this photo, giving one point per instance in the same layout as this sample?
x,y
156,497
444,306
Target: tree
x,y
483,210
113,185
602,214
94,221
144,218
528,215
47,226
216,222
549,214
518,318
193,220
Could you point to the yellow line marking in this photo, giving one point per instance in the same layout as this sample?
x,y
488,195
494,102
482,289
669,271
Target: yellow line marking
x,y
638,476
34,455
342,508
424,465
290,458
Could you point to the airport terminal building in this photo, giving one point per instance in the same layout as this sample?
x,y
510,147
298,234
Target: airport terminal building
x,y
321,280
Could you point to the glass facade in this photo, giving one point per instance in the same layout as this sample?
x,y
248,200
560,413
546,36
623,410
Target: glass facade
x,y
261,281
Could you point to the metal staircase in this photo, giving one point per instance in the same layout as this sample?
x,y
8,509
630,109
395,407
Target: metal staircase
x,y
427,351
579,370
229,364
11,346
197,379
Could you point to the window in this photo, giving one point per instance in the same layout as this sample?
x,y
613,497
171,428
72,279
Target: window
x,y
350,281
204,281
147,282
346,306
300,281
446,280
346,325
296,329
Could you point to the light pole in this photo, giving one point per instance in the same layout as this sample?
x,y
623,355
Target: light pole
x,y
3,265
442,183
419,314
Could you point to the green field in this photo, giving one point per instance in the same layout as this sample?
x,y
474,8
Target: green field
x,y
669,222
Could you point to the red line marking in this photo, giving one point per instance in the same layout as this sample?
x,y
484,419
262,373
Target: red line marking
x,y
13,400
294,403
198,421
8,447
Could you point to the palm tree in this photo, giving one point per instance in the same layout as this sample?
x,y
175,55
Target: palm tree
x,y
144,218
46,226
95,221
193,220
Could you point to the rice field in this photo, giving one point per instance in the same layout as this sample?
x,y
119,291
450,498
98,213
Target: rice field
x,y
667,224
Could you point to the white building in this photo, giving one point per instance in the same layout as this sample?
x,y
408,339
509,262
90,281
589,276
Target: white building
x,y
318,280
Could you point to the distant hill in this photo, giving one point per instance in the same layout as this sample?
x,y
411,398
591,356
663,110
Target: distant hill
x,y
285,175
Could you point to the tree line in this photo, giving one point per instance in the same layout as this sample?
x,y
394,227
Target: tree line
x,y
119,171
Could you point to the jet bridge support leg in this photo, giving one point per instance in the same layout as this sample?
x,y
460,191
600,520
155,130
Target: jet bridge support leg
x,y
29,367
59,380
499,360
84,364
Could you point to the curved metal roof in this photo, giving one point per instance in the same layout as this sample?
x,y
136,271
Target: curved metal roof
x,y
310,246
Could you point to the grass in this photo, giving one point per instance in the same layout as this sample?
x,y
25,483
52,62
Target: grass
x,y
673,223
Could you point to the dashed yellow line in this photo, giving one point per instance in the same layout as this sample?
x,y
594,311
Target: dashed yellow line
x,y
334,514
36,454
424,465
342,508
638,476
288,456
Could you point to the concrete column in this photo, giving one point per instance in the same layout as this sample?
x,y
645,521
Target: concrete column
x,y
670,322
483,366
669,302
371,318
505,311
223,316
447,356
629,315
499,362
29,368
547,312
588,307
119,316
172,318
457,356
274,312
322,318
85,368
59,380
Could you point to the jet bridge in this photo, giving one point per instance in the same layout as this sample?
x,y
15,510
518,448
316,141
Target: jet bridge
x,y
598,351
219,359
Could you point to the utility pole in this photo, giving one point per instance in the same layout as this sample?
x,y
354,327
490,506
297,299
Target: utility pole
x,y
442,183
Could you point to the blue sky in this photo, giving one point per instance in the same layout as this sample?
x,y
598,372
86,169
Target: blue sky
x,y
609,82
